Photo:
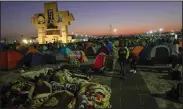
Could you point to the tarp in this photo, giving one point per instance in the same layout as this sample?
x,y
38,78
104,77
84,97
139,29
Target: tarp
x,y
9,59
137,50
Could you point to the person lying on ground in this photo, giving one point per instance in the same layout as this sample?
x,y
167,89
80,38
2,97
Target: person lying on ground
x,y
41,86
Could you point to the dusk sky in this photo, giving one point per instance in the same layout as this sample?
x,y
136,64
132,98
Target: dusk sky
x,y
94,18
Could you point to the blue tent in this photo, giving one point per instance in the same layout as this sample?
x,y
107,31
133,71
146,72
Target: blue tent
x,y
33,59
65,51
2,46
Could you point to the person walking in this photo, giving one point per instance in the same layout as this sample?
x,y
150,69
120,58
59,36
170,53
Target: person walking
x,y
123,54
133,58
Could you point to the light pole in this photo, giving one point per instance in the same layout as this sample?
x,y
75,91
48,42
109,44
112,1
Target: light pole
x,y
151,32
160,31
110,30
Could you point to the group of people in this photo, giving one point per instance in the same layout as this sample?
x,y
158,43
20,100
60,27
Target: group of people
x,y
126,56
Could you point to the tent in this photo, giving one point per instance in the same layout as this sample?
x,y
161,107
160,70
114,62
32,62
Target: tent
x,y
43,48
20,47
9,59
65,51
2,46
32,50
83,57
79,55
154,54
23,51
160,54
90,51
137,50
103,49
49,57
180,43
99,61
33,59
89,44
97,47
60,57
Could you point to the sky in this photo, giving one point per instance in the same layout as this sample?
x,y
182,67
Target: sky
x,y
94,18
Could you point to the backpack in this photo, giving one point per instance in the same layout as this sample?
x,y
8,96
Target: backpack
x,y
122,53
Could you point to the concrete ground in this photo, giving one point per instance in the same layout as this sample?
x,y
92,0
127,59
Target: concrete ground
x,y
143,90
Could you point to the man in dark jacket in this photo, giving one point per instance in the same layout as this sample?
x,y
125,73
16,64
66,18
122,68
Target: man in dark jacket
x,y
123,54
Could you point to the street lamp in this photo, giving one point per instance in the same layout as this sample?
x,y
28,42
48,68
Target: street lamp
x,y
150,32
115,30
160,30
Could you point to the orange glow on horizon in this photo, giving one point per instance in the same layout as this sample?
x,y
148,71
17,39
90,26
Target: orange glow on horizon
x,y
127,31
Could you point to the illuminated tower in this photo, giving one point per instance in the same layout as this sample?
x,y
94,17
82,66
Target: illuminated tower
x,y
47,24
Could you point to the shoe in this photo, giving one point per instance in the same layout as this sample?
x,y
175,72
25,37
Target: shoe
x,y
134,71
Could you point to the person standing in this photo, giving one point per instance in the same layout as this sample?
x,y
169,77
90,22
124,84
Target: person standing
x,y
123,54
174,54
133,61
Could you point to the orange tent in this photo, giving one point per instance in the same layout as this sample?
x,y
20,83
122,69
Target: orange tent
x,y
32,50
137,50
9,59
20,47
180,43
